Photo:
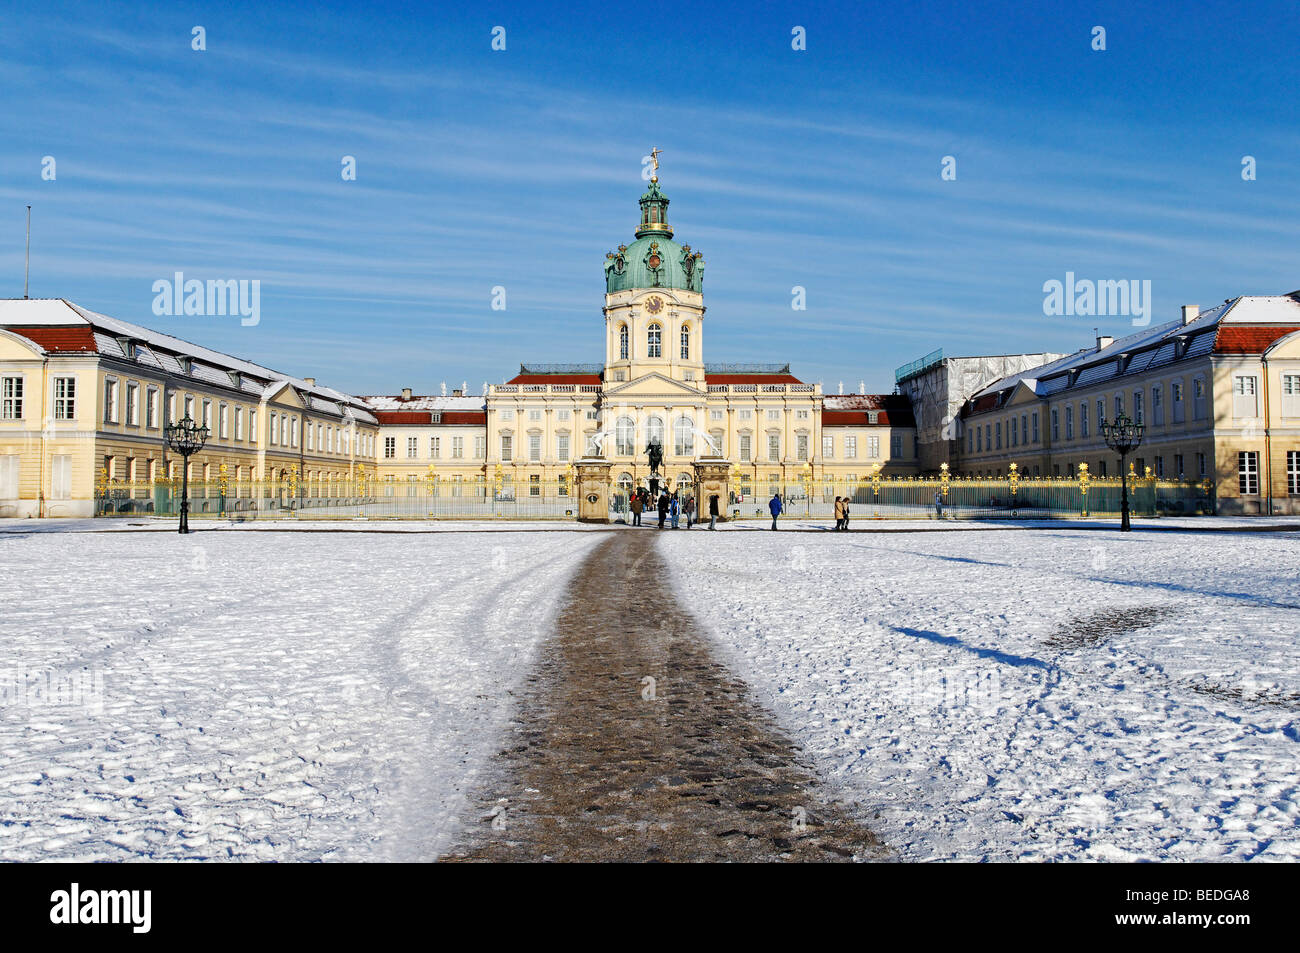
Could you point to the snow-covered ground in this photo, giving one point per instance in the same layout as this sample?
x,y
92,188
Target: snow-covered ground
x,y
258,695
150,524
1041,695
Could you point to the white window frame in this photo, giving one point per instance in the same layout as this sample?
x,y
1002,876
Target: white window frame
x,y
65,403
11,397
110,400
132,401
1248,472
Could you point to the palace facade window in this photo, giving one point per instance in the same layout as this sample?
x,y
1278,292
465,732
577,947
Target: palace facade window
x,y
1243,396
624,437
686,342
684,437
654,336
1291,395
133,404
11,399
622,342
1248,472
65,398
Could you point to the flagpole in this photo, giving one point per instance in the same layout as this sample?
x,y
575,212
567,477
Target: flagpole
x,y
27,263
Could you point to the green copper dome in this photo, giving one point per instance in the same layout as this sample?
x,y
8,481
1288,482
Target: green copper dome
x,y
654,260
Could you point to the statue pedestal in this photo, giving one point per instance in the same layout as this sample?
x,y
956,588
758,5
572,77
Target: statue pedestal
x,y
712,478
592,477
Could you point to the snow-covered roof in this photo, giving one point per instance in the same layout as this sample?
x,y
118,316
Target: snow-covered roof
x,y
417,402
1150,347
155,349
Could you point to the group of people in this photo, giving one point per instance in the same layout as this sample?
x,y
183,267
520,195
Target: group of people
x,y
671,509
841,513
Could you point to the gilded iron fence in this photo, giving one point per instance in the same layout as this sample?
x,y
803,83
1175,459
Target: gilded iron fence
x,y
871,497
958,498
356,499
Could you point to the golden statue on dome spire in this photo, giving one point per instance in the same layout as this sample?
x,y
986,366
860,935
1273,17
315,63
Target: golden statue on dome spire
x,y
655,153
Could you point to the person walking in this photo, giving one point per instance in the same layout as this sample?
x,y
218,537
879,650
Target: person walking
x,y
844,511
638,505
839,514
690,511
938,504
663,508
713,511
774,506
674,510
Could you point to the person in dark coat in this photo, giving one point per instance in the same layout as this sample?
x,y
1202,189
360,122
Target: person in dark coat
x,y
638,505
774,506
663,509
713,511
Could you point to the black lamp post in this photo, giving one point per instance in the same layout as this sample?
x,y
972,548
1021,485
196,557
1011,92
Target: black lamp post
x,y
186,439
1123,437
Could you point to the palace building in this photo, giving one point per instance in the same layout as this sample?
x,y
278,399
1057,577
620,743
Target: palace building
x,y
654,385
1217,392
85,398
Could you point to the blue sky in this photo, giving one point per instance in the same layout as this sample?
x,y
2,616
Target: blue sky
x,y
522,168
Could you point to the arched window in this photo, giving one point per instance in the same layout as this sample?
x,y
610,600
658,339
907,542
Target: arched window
x,y
622,342
654,431
625,437
684,437
686,342
654,336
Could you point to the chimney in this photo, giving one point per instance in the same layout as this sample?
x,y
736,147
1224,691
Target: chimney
x,y
311,381
458,392
1104,341
406,393
1190,313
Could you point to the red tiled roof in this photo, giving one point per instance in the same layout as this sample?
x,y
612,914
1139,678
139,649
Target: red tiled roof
x,y
859,418
464,417
403,416
753,379
416,417
54,340
555,379
1235,339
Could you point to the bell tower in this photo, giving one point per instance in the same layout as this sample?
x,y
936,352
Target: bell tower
x,y
654,302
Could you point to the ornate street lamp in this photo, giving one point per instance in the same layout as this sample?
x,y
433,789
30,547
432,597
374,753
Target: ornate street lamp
x,y
1123,437
1013,477
186,439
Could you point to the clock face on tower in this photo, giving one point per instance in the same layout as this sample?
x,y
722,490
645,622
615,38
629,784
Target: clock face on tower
x,y
655,305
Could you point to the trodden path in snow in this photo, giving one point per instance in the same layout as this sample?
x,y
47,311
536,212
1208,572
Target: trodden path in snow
x,y
600,768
